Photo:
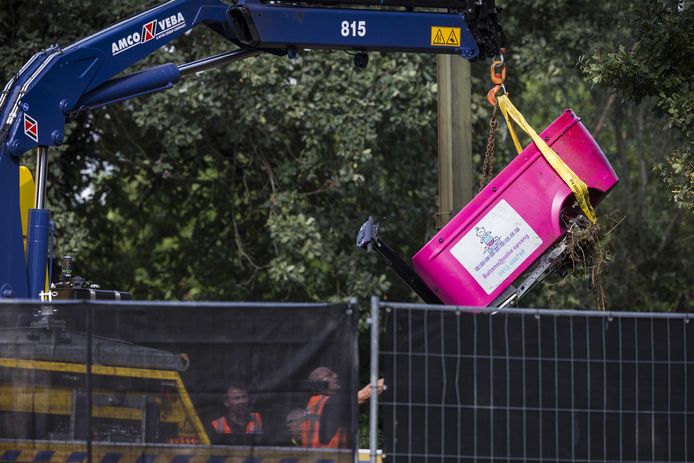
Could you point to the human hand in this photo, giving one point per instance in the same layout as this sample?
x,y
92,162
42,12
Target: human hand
x,y
364,393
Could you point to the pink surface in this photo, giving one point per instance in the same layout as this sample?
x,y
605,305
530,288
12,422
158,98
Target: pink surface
x,y
536,193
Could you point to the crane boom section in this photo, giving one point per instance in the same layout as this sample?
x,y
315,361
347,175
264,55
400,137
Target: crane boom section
x,y
267,25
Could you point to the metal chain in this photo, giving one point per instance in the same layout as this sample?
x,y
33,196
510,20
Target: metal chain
x,y
488,164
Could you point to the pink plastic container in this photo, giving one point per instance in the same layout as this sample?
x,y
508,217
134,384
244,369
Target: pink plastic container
x,y
514,219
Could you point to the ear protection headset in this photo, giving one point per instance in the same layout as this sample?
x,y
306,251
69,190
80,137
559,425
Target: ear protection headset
x,y
317,387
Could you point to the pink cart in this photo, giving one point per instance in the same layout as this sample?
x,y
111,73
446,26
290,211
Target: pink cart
x,y
515,222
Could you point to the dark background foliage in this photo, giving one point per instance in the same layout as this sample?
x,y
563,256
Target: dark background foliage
x,y
249,182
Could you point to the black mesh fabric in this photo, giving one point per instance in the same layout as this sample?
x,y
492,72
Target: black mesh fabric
x,y
159,374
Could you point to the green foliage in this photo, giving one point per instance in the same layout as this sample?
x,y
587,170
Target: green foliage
x,y
654,66
249,182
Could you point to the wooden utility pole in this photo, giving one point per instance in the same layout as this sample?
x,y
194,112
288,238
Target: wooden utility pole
x,y
455,136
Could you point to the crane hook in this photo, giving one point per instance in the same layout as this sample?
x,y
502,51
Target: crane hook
x,y
497,73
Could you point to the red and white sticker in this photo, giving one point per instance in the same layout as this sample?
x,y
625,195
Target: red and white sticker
x,y
31,128
148,31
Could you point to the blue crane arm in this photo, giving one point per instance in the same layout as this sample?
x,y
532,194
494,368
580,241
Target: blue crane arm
x,y
49,89
60,81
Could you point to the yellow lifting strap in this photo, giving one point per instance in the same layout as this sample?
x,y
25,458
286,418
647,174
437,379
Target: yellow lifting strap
x,y
578,186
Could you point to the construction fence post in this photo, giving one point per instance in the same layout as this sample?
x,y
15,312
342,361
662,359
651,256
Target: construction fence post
x,y
373,413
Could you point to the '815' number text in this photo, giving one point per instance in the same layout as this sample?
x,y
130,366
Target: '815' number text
x,y
353,28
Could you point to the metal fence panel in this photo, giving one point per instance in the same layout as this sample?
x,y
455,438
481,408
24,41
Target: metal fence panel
x,y
536,385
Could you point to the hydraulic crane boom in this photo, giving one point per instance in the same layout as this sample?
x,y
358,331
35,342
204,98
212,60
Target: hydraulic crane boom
x,y
58,82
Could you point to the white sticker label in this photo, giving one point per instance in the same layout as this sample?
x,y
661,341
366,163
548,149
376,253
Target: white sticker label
x,y
496,246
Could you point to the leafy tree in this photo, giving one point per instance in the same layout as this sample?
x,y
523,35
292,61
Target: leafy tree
x,y
652,67
250,181
649,239
247,182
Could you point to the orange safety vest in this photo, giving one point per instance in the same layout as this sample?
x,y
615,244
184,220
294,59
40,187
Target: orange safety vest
x,y
254,425
310,429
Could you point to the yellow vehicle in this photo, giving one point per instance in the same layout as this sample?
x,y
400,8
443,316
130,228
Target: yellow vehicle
x,y
49,400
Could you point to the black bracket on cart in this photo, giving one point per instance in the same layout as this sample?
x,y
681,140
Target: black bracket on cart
x,y
369,239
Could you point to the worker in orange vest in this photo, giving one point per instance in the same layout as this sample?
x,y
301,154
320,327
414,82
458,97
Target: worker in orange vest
x,y
326,420
238,420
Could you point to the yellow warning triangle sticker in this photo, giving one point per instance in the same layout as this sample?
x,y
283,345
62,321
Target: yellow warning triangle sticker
x,y
452,38
439,34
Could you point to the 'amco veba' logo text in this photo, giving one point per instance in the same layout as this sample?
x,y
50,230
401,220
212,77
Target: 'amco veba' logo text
x,y
152,30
